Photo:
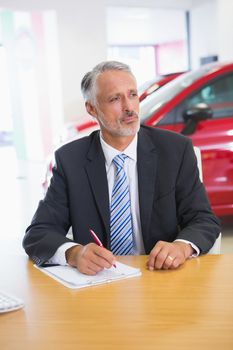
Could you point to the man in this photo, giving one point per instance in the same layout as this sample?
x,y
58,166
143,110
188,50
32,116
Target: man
x,y
161,209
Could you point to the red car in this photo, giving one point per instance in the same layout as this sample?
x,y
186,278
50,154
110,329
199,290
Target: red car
x,y
198,104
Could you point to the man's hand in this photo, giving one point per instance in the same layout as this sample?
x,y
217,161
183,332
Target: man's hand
x,y
89,259
167,255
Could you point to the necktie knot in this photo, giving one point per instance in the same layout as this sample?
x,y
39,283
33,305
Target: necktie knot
x,y
119,160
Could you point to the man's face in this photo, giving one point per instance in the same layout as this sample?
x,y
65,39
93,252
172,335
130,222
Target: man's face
x,y
117,104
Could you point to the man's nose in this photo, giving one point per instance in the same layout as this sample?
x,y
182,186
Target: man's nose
x,y
127,105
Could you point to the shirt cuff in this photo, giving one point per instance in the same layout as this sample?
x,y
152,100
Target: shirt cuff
x,y
60,255
197,250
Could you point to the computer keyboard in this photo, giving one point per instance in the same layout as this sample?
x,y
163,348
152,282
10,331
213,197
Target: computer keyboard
x,y
9,303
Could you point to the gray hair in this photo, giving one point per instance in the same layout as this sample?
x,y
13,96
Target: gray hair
x,y
89,79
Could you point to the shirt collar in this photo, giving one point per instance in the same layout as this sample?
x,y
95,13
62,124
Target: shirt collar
x,y
110,152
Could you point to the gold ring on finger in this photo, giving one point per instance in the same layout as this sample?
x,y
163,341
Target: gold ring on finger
x,y
170,257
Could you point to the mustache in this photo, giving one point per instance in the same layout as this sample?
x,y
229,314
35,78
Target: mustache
x,y
130,114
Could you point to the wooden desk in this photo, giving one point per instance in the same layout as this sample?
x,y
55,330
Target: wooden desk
x,y
190,308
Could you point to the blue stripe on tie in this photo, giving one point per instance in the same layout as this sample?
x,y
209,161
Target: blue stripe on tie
x,y
120,197
121,232
121,226
118,212
128,250
118,184
119,242
125,248
124,245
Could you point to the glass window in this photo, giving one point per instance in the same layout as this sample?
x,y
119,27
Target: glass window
x,y
155,101
218,96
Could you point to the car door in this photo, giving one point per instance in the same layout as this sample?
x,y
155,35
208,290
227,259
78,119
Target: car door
x,y
213,136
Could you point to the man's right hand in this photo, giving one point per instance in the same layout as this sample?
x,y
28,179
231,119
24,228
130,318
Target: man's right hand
x,y
89,259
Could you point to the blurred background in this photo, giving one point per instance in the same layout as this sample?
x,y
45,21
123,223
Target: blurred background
x,y
47,46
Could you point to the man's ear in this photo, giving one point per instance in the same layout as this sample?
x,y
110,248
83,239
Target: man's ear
x,y
91,109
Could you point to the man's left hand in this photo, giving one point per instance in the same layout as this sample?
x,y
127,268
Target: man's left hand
x,y
167,255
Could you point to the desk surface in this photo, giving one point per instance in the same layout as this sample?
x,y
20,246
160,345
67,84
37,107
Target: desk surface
x,y
190,308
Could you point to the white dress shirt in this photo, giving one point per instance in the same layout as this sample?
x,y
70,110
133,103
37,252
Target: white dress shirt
x,y
130,168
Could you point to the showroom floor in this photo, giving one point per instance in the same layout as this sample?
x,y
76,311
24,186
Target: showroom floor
x,y
20,188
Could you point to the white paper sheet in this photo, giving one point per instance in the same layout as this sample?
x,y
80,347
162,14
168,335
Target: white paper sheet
x,y
72,278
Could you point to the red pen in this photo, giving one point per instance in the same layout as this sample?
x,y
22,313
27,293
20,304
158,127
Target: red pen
x,y
96,239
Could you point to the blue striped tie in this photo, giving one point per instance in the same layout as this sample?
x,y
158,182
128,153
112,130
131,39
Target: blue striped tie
x,y
121,221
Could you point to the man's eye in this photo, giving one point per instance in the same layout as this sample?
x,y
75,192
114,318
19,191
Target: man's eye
x,y
113,99
133,93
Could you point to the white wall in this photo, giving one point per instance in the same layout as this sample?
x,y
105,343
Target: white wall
x,y
144,26
82,42
212,31
211,25
225,29
133,32
166,4
82,35
203,32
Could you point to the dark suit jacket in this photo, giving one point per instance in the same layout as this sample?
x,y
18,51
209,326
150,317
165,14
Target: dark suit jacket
x,y
172,200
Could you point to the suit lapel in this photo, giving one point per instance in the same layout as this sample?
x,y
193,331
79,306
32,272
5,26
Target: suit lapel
x,y
147,168
96,172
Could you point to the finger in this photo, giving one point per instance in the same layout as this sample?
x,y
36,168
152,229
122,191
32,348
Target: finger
x,y
174,258
176,263
167,255
98,256
168,263
87,267
162,255
94,267
100,261
180,260
161,258
89,271
105,255
152,257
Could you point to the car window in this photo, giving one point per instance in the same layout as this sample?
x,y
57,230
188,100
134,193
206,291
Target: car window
x,y
218,95
156,100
